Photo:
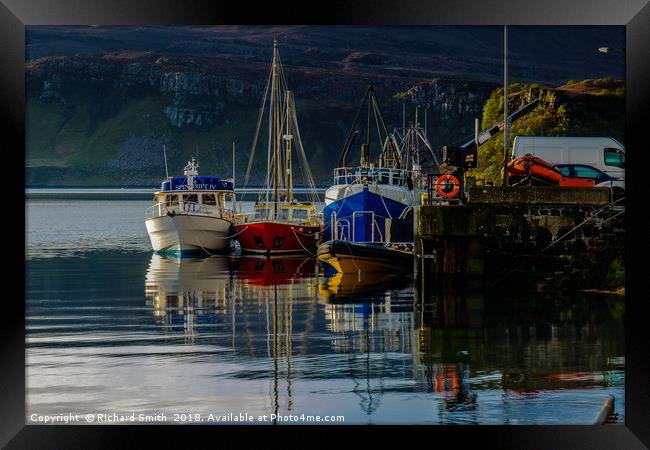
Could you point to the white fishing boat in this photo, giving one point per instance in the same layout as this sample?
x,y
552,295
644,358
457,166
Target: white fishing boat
x,y
189,214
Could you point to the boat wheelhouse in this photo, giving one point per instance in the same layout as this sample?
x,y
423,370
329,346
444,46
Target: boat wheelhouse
x,y
191,214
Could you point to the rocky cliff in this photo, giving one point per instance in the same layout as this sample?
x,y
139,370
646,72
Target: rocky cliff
x,y
102,101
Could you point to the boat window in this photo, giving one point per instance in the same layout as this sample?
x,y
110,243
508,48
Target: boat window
x,y
190,198
566,171
277,242
208,199
300,213
171,200
614,157
586,172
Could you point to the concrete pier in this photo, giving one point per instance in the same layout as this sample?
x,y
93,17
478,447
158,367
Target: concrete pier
x,y
502,227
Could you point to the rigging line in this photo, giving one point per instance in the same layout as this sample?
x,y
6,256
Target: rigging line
x,y
257,130
395,150
382,146
309,177
385,207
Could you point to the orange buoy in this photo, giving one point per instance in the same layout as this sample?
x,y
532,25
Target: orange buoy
x,y
447,186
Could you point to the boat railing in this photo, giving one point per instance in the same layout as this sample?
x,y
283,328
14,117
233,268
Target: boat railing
x,y
348,224
339,229
198,209
313,219
380,175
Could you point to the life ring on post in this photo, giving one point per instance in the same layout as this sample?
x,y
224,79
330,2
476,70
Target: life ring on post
x,y
447,186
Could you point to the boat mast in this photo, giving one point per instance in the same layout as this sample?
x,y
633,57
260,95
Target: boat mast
x,y
275,127
288,137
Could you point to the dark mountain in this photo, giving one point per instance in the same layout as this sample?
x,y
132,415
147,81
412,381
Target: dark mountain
x,y
103,100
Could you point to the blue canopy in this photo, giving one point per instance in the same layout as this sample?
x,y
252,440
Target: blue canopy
x,y
200,184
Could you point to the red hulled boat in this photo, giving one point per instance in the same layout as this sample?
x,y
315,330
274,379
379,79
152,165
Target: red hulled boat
x,y
279,224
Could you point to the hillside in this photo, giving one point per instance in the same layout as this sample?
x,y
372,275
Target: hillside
x,y
584,108
102,101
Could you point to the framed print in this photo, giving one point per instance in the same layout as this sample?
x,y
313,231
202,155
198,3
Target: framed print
x,y
403,215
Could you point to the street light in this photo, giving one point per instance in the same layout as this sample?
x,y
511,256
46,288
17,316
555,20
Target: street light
x,y
611,50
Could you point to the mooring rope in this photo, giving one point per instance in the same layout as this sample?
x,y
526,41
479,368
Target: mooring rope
x,y
227,237
234,235
298,239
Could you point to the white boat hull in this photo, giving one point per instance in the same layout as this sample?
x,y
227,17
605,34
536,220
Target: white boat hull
x,y
185,233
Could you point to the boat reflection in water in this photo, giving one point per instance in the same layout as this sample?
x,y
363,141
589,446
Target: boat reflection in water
x,y
269,271
279,334
280,284
182,285
371,320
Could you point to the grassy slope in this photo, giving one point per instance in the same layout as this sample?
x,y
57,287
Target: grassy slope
x,y
585,108
83,142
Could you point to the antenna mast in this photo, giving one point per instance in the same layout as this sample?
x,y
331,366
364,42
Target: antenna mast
x,y
288,137
165,155
276,132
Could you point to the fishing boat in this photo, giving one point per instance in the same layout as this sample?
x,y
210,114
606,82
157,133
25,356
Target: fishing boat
x,y
362,257
367,196
368,211
279,223
190,216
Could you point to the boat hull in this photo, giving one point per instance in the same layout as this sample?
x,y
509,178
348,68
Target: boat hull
x,y
354,257
271,238
185,234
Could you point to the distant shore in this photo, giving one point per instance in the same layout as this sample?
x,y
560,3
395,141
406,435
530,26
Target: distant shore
x,y
130,193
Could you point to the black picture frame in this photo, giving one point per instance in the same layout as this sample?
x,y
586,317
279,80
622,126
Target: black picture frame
x,y
633,14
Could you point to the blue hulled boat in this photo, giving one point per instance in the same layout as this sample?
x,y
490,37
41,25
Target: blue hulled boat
x,y
367,197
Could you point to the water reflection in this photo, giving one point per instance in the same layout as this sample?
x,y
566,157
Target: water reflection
x,y
184,286
451,344
117,329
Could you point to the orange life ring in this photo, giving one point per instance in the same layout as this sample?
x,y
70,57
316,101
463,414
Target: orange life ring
x,y
442,186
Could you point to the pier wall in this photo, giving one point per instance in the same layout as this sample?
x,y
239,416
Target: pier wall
x,y
552,233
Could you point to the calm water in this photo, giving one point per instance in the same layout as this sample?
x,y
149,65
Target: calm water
x,y
113,328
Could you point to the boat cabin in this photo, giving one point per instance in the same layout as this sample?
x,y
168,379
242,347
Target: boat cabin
x,y
293,212
194,195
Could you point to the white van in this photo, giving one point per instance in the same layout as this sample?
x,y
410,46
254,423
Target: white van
x,y
602,153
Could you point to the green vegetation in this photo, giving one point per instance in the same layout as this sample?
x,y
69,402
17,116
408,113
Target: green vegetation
x,y
615,278
93,140
584,108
